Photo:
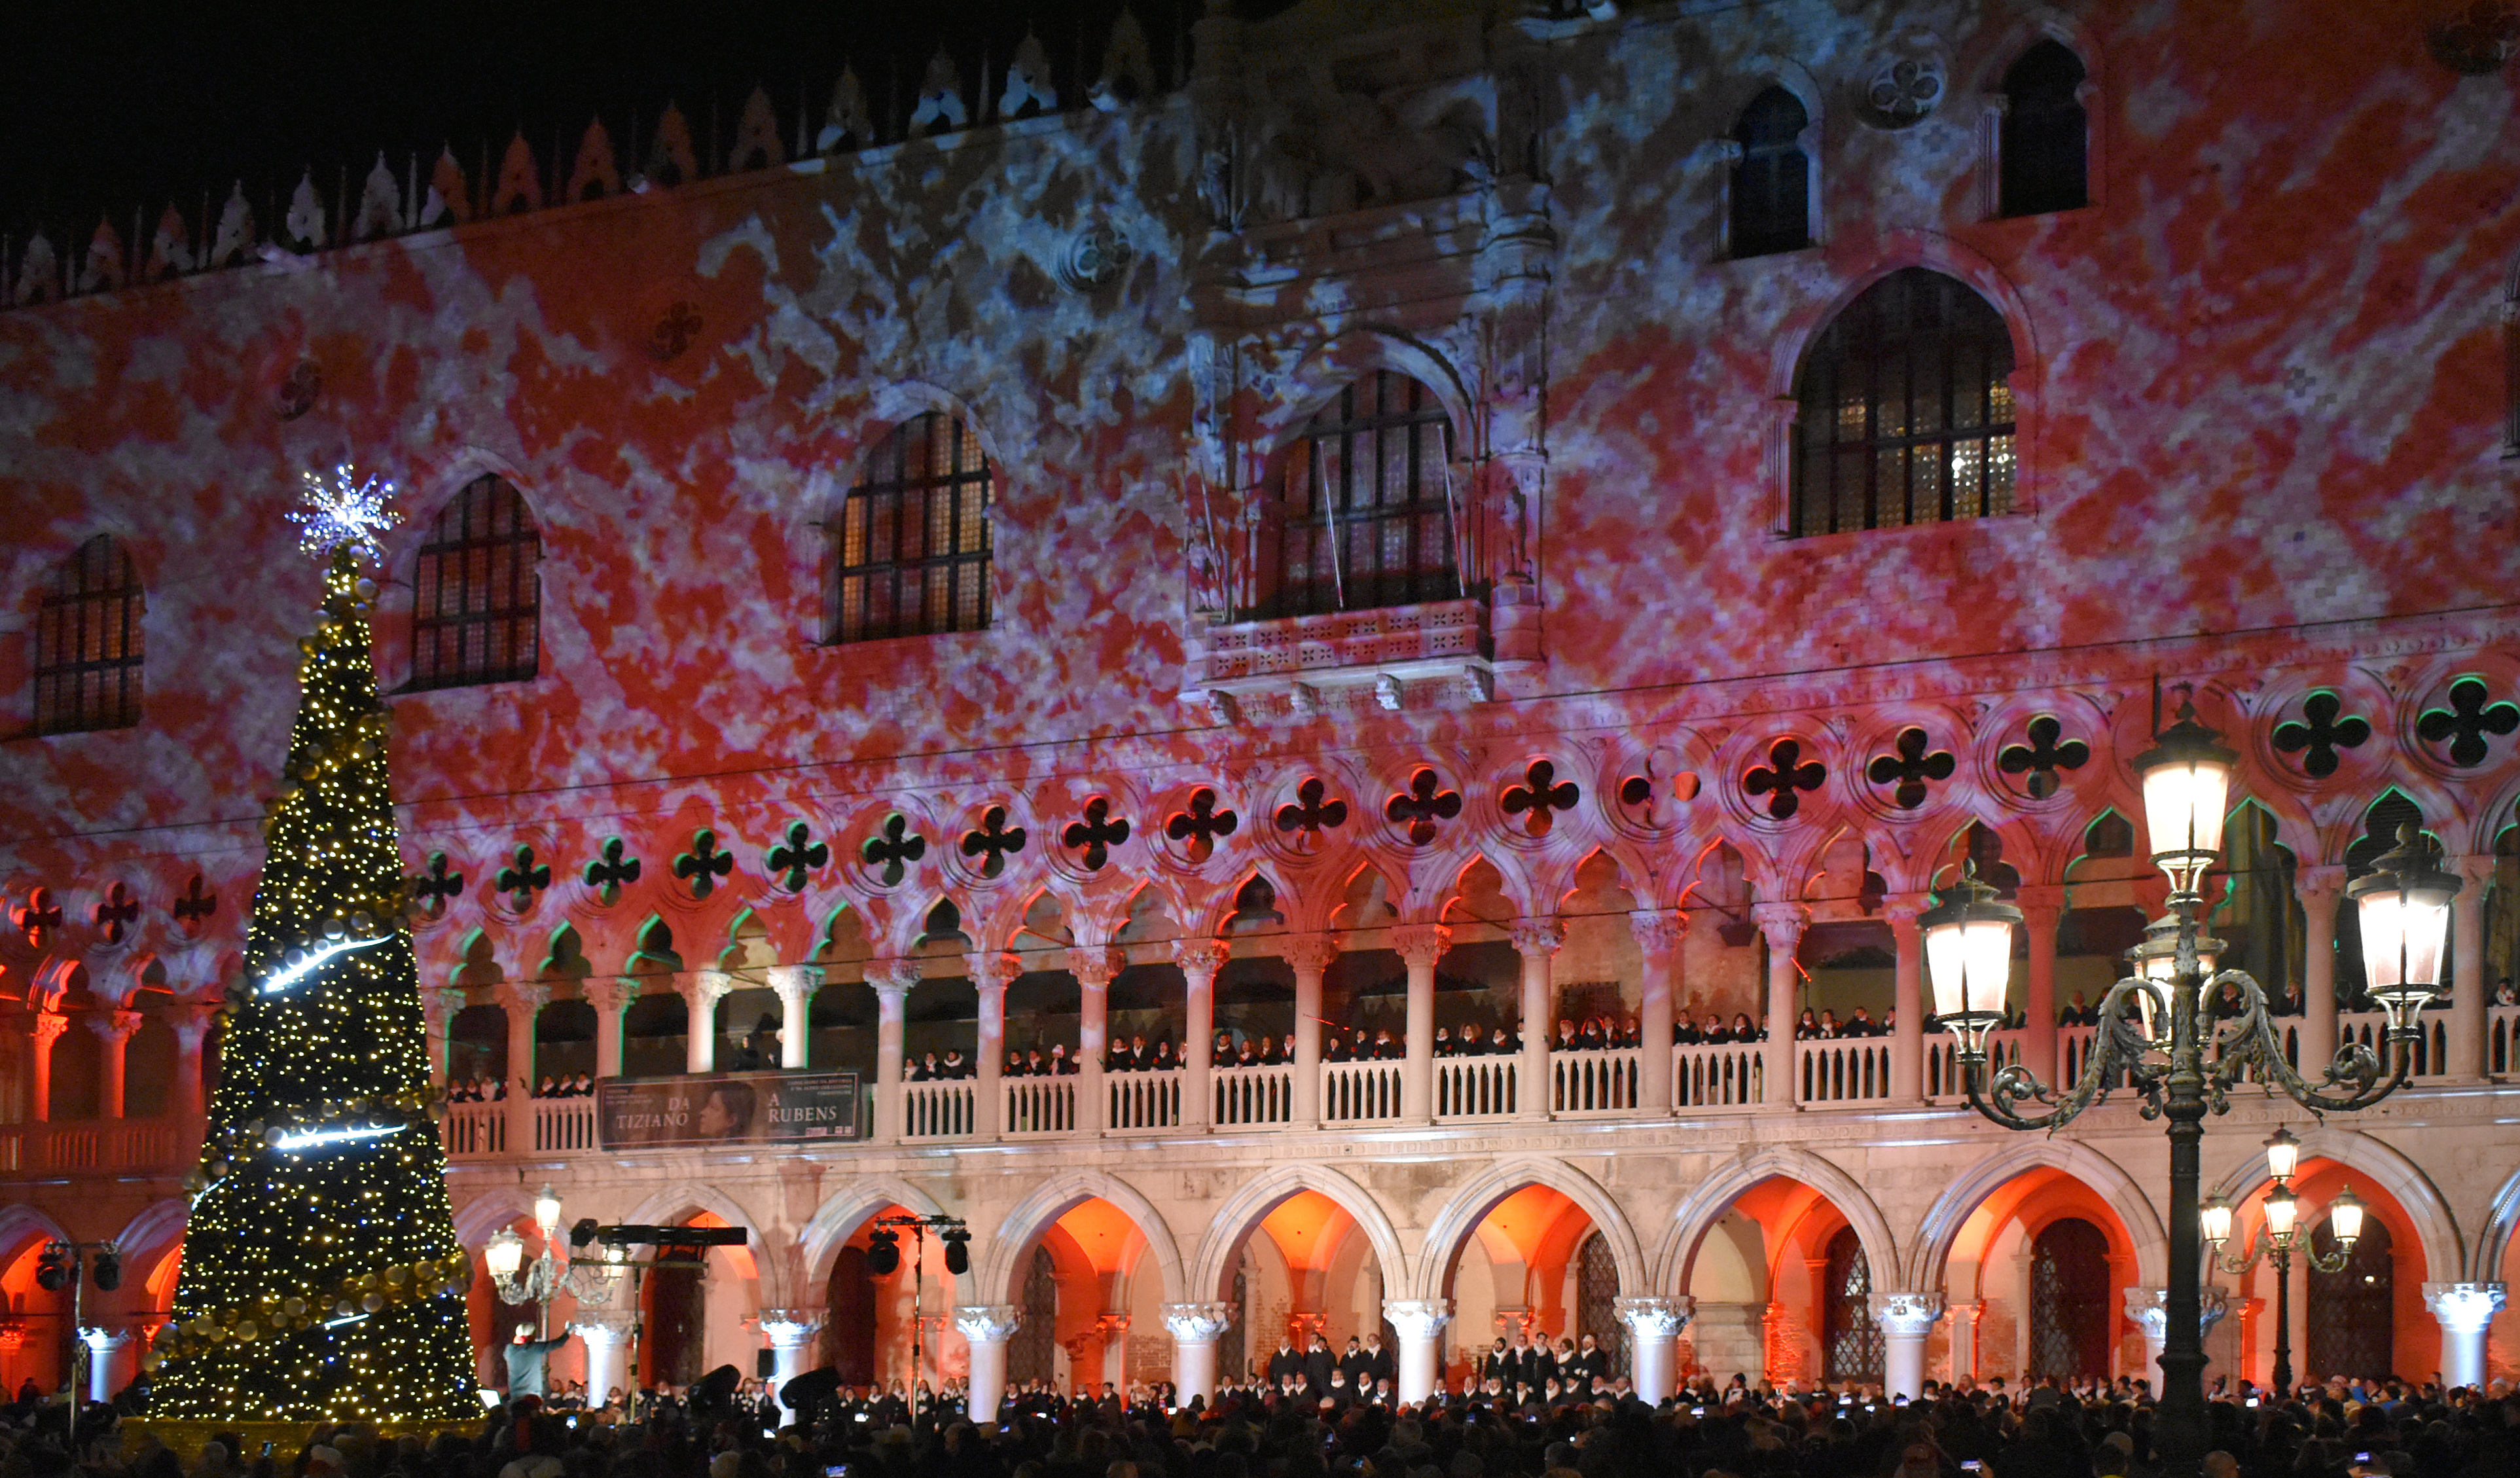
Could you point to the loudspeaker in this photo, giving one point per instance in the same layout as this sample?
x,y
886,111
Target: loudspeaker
x,y
764,1363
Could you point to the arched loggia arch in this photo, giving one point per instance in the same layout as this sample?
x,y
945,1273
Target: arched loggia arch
x,y
1952,1209
1704,1206
2435,1227
2502,1222
1452,1227
999,1278
844,1212
1211,1277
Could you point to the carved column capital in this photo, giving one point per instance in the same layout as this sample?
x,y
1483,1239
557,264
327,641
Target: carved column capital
x,y
1113,1324
1654,1317
1421,945
1417,1318
48,1027
987,1323
2464,1308
1901,911
1095,966
994,969
1907,1313
1201,957
610,995
1199,1324
2321,886
894,979
1311,952
1658,931
702,990
1543,937
529,995
1783,923
790,1328
2475,872
794,979
191,1020
113,1026
603,1328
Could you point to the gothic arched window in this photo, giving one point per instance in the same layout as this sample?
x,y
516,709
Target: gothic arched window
x,y
1905,411
2352,1311
1365,504
2069,1301
88,646
477,600
909,554
2045,138
1850,1341
1771,205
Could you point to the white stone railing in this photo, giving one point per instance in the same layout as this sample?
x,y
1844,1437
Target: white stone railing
x,y
475,1131
2502,1039
1476,1087
1718,1075
1848,1070
1359,1093
2432,1047
563,1124
1141,1100
2002,1049
104,1146
1593,1084
937,1111
1039,1108
1254,1096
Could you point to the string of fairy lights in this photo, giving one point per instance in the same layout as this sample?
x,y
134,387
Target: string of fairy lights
x,y
322,1278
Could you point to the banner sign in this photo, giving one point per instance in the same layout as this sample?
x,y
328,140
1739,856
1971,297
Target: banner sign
x,y
726,1108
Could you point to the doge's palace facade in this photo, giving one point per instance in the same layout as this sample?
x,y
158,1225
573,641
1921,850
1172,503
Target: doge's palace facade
x,y
1398,517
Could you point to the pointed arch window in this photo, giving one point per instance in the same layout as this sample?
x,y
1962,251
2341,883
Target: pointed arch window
x,y
2046,150
89,641
2069,1301
476,595
1905,411
1363,505
1850,1341
911,550
1771,195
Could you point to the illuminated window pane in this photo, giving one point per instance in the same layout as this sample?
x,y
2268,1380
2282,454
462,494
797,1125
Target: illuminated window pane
x,y
477,617
911,552
1362,515
88,639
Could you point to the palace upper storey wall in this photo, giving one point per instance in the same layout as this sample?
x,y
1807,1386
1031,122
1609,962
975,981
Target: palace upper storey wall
x,y
2260,382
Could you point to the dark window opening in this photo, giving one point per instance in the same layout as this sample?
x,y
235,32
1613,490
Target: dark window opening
x,y
911,550
2046,139
1905,411
1850,1341
88,643
1771,180
476,601
2069,1302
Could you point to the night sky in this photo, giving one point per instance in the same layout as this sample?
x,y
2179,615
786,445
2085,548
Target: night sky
x,y
112,110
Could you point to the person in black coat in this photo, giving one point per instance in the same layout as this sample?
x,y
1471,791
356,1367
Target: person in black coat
x,y
1319,1362
1498,1364
1377,1359
1285,1361
1353,1365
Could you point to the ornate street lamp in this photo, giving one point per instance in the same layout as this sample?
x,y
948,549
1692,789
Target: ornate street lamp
x,y
519,1282
2166,1033
2282,1234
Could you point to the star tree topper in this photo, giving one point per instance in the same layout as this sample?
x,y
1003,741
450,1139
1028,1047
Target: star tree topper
x,y
350,510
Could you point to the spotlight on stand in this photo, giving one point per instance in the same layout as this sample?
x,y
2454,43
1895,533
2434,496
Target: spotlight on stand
x,y
957,1251
883,1253
53,1269
108,1270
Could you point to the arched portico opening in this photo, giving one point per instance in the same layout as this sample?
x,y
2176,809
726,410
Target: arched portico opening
x,y
1112,1267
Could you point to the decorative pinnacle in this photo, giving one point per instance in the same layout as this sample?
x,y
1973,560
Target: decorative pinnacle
x,y
348,512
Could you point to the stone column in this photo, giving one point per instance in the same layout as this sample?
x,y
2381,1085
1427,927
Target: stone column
x,y
893,980
2043,908
105,1349
1310,954
607,1335
1536,941
1113,1326
1653,1328
1419,946
1196,1328
987,1328
2468,989
1906,1318
1658,934
1907,998
1964,1339
1782,924
2320,890
525,1002
1420,1323
796,985
1200,961
790,1332
991,974
701,991
2466,1312
1094,969
611,1000
113,1031
48,1027
191,1021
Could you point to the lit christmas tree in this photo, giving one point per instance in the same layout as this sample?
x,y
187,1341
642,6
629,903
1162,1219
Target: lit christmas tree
x,y
322,1279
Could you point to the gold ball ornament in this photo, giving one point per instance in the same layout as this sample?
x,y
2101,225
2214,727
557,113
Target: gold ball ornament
x,y
373,1302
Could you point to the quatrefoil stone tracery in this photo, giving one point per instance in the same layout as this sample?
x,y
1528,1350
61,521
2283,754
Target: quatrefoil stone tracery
x,y
1417,809
1781,780
2326,729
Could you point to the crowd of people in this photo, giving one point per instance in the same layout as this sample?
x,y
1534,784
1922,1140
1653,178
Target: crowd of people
x,y
1590,1428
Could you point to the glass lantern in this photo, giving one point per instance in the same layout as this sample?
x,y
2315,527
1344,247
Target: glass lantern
x,y
2403,906
1968,951
2186,784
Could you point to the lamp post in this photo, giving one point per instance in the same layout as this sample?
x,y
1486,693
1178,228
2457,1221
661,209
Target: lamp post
x,y
67,1264
2165,1033
2282,1232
